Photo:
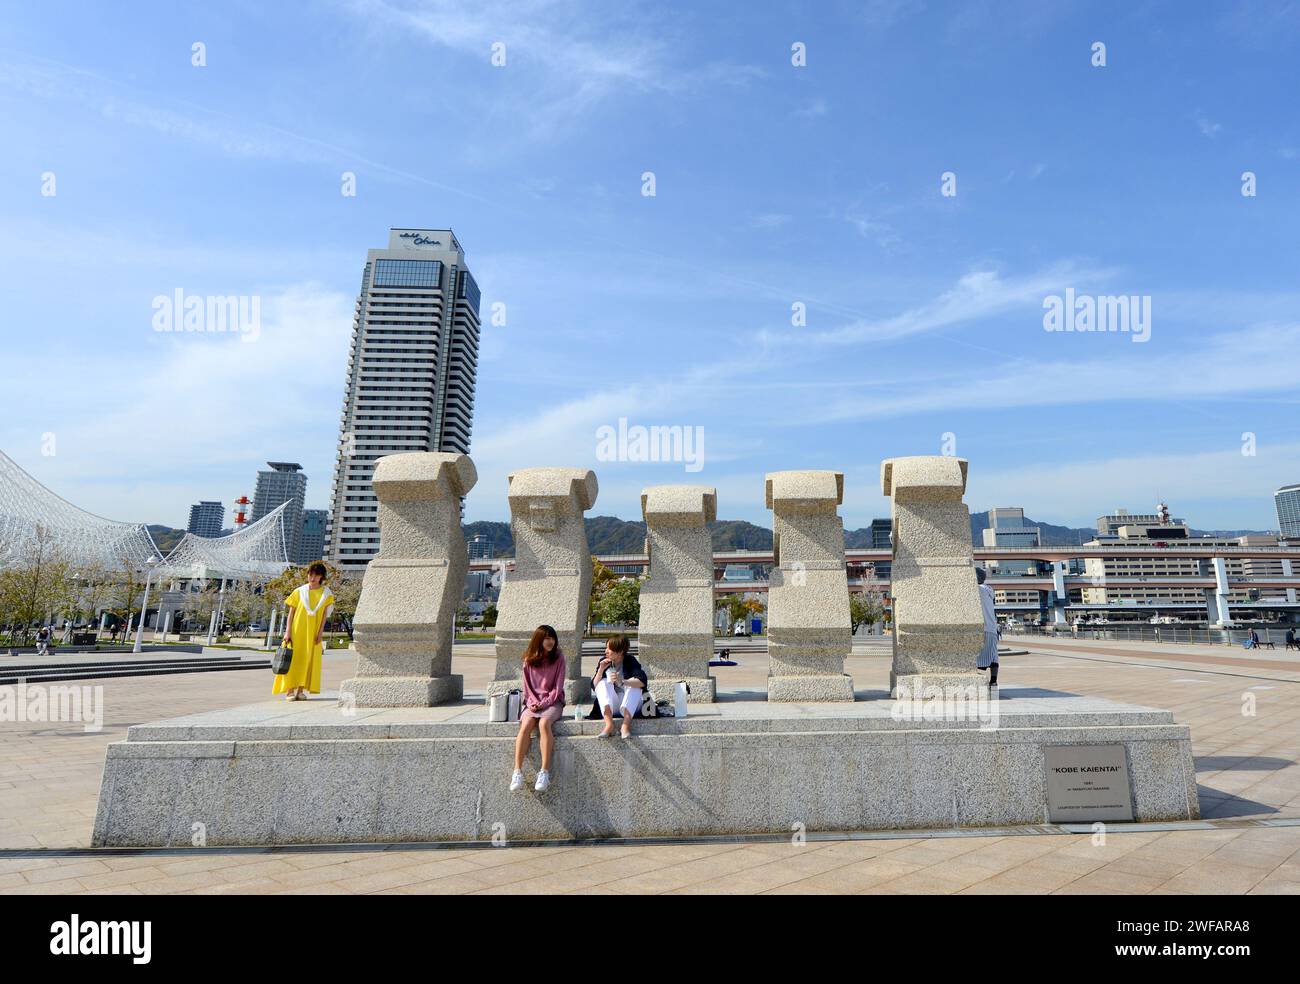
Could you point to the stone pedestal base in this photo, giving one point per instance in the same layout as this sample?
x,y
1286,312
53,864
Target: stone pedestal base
x,y
402,691
302,773
808,689
918,686
808,664
704,690
670,657
575,691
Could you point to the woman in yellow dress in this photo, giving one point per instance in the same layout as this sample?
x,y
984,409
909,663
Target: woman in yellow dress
x,y
309,608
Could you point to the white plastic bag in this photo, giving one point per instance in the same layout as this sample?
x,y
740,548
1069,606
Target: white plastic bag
x,y
679,699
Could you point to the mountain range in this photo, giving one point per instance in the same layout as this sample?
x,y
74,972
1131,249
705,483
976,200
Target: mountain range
x,y
611,535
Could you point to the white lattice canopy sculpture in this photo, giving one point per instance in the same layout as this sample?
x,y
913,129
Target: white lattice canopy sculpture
x,y
257,552
28,511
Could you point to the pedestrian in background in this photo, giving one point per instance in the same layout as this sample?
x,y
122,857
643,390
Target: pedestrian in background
x,y
988,657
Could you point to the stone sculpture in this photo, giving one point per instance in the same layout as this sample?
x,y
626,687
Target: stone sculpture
x,y
675,633
405,618
808,630
938,618
551,580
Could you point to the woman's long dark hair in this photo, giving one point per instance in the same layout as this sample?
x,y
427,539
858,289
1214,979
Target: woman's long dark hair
x,y
536,653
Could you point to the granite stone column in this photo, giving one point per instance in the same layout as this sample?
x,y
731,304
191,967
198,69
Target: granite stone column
x,y
675,633
551,581
808,628
938,617
405,621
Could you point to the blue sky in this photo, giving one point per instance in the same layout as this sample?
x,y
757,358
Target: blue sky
x,y
775,184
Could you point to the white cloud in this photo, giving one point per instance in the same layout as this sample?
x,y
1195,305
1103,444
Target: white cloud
x,y
570,56
813,109
1089,371
1207,126
239,137
978,294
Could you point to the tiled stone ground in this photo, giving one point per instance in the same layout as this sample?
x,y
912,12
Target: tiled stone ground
x,y
50,773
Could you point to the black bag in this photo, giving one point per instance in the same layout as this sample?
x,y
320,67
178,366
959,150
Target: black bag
x,y
283,659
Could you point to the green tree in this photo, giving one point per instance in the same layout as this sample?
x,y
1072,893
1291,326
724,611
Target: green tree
x,y
243,604
865,608
127,591
601,579
347,592
620,602
490,617
38,583
736,607
95,593
199,606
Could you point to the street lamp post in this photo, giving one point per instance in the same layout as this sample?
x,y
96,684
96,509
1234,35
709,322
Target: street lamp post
x,y
150,564
214,627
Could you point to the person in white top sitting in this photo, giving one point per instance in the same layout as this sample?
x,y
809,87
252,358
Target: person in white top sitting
x,y
988,657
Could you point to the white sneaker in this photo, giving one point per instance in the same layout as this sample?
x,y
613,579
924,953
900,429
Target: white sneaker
x,y
543,781
516,781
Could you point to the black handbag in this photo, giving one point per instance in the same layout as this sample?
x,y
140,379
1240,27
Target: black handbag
x,y
283,659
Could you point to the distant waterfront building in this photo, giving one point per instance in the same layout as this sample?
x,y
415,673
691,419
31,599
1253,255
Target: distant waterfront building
x,y
480,547
1287,500
1159,532
478,585
881,529
881,539
1008,528
411,375
1109,524
206,519
284,482
311,546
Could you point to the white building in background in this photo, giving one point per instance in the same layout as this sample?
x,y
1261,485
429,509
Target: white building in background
x,y
410,377
1158,531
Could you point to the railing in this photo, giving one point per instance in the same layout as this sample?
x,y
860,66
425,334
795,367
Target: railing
x,y
1170,634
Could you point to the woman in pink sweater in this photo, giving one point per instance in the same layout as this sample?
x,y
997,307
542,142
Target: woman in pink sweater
x,y
543,703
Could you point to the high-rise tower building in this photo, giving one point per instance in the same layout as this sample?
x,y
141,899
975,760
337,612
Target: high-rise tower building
x,y
1287,500
411,375
285,482
1008,528
206,519
311,545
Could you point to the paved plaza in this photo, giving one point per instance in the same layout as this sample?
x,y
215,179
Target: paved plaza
x,y
1242,709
